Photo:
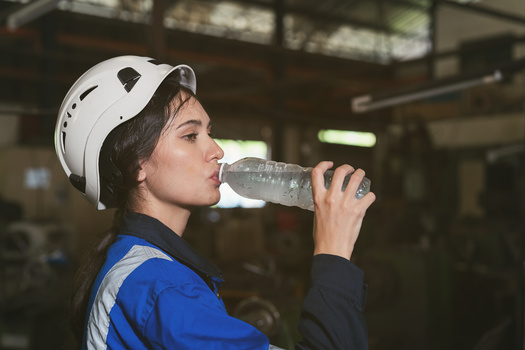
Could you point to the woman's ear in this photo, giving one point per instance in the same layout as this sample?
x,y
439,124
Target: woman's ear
x,y
141,176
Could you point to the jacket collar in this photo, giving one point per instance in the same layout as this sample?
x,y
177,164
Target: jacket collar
x,y
155,232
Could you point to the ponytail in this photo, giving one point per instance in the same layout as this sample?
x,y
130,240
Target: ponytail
x,y
86,276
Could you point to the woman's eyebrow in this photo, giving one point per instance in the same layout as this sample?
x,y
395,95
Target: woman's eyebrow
x,y
196,122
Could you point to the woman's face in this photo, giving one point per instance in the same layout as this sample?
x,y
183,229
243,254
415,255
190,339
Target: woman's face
x,y
182,172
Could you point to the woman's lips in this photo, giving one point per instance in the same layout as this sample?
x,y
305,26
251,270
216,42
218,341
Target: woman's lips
x,y
215,177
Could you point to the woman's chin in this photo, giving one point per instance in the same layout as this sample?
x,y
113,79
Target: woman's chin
x,y
213,200
217,200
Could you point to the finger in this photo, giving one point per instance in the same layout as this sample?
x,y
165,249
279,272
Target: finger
x,y
368,199
318,175
354,183
339,177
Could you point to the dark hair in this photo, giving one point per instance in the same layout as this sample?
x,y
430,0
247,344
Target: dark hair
x,y
136,140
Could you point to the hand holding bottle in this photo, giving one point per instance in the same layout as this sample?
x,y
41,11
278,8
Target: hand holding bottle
x,y
338,214
277,182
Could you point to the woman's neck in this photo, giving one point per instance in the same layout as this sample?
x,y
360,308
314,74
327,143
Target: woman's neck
x,y
175,218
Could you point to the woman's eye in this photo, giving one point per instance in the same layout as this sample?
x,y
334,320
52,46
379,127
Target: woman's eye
x,y
190,137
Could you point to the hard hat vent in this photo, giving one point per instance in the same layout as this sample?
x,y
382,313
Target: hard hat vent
x,y
87,92
128,77
63,143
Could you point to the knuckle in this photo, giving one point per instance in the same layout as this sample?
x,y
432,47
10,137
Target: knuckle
x,y
316,171
330,201
345,168
357,176
325,201
359,172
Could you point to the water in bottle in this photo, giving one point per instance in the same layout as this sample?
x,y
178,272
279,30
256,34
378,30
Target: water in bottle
x,y
282,183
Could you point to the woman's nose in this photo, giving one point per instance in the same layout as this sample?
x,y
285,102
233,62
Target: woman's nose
x,y
216,151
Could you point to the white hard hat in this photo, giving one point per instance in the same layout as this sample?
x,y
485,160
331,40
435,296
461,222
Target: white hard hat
x,y
106,96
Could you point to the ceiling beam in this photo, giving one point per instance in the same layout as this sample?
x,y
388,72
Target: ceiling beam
x,y
448,53
225,51
410,4
30,12
485,10
334,18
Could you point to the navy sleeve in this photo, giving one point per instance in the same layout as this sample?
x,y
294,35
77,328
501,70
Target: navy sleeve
x,y
332,315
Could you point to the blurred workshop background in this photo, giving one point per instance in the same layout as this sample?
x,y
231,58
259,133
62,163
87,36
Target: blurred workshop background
x,y
427,96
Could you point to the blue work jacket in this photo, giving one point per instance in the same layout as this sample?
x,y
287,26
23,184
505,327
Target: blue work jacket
x,y
155,292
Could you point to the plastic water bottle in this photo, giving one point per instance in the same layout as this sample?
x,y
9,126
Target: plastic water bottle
x,y
281,183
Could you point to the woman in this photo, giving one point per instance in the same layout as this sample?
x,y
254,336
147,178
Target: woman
x,y
132,135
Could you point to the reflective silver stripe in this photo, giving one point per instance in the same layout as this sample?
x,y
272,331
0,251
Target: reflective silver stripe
x,y
98,323
273,347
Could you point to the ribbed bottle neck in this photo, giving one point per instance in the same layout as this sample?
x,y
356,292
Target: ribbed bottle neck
x,y
222,170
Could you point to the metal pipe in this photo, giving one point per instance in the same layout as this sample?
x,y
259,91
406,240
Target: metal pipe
x,y
30,12
366,103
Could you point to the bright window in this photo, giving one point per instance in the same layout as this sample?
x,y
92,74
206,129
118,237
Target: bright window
x,y
233,151
349,138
